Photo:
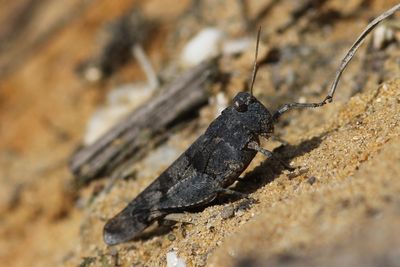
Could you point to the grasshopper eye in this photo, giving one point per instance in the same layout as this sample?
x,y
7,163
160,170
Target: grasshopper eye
x,y
240,106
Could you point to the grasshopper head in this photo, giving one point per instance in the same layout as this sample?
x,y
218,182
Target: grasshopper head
x,y
254,115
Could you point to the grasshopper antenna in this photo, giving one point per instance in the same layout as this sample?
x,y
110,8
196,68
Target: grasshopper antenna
x,y
255,66
345,61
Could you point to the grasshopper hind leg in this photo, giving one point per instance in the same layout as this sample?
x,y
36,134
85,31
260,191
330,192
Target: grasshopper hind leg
x,y
190,192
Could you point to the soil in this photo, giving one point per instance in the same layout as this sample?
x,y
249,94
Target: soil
x,y
340,208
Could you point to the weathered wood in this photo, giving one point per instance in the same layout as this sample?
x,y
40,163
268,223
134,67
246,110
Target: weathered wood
x,y
132,137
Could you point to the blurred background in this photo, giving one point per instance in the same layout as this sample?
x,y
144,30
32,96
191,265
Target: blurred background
x,y
71,70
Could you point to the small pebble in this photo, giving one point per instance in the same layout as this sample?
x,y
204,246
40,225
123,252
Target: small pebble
x,y
240,213
202,260
245,205
92,74
171,237
372,211
183,232
195,248
311,180
297,172
227,212
302,99
211,228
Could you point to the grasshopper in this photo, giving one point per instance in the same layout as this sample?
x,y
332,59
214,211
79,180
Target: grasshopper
x,y
217,158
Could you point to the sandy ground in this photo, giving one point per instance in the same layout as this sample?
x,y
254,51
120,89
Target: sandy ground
x,y
342,208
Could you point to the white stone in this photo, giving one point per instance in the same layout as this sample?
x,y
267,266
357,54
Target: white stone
x,y
382,35
93,74
204,45
174,261
236,46
221,103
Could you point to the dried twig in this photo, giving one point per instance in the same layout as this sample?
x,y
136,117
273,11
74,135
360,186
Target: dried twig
x,y
130,138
